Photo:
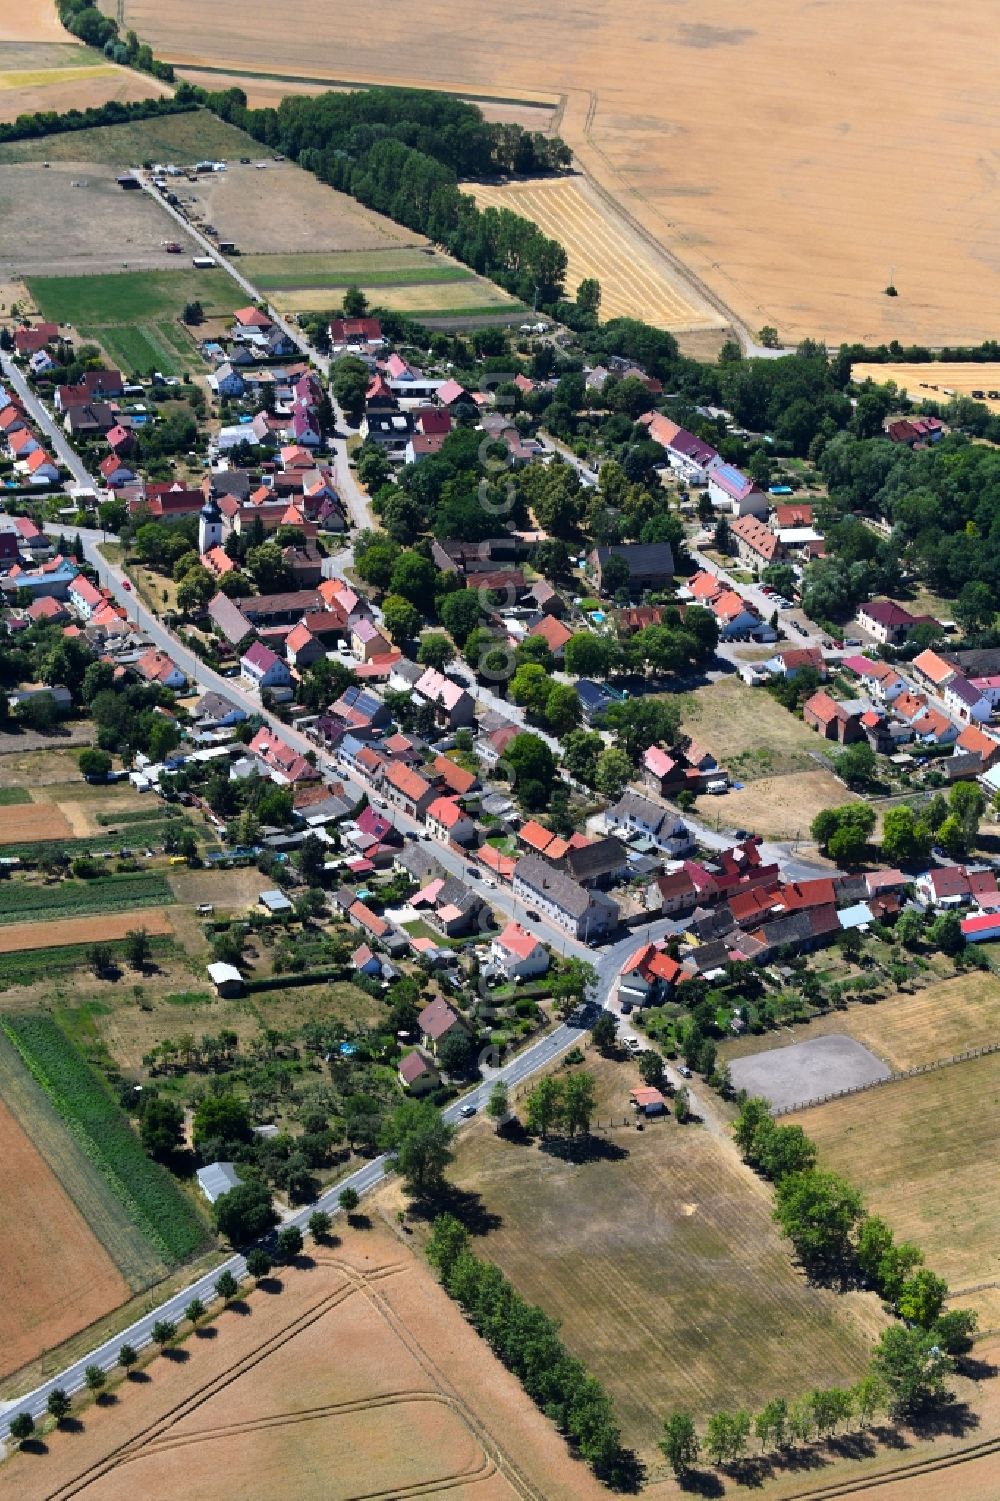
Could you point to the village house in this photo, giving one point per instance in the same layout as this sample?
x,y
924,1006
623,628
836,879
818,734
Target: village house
x,y
889,623
634,814
417,1073
755,542
650,565
447,822
589,915
967,701
285,765
262,668
407,789
730,490
453,705
518,953
436,1021
156,667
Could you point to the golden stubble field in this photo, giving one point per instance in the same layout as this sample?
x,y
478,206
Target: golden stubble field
x,y
359,1378
796,156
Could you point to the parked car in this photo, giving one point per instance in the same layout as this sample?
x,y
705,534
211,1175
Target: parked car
x,y
684,1071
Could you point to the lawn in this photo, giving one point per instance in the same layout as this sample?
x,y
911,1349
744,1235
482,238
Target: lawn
x,y
171,138
749,731
662,1264
924,1152
385,268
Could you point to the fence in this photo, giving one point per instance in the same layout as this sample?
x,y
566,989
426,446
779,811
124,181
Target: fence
x,y
893,1078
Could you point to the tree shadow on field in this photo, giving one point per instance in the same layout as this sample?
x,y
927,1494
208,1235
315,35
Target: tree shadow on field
x,y
106,1399
852,1445
271,1285
33,1446
177,1353
206,1331
69,1424
139,1377
890,1437
751,1472
975,1370
584,1149
466,1205
240,1306
702,1483
955,1419
626,1474
793,1458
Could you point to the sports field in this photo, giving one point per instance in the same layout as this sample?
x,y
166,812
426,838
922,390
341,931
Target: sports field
x,y
662,1264
923,1151
361,1379
634,281
797,158
938,380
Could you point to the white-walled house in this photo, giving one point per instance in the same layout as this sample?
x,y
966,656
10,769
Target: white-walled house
x,y
518,953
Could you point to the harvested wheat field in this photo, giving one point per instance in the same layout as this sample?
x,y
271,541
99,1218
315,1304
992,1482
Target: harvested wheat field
x,y
30,21
924,1150
360,1379
635,282
58,89
23,823
794,157
57,1277
101,929
937,380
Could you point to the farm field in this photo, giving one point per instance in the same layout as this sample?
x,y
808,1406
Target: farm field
x,y
789,205
635,282
26,901
415,280
135,315
270,1406
937,380
952,1016
928,1168
79,930
59,76
183,138
25,823
57,1277
68,1172
662,1260
83,1100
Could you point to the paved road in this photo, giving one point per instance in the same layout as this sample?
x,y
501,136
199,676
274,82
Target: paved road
x,y
48,425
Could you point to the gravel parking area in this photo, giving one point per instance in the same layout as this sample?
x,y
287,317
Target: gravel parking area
x,y
806,1071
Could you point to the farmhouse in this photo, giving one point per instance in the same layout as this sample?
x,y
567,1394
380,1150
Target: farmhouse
x,y
262,668
755,542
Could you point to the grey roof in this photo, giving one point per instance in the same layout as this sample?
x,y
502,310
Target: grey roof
x,y
412,672
641,557
420,861
595,697
213,705
229,618
633,806
598,859
560,888
217,1179
275,901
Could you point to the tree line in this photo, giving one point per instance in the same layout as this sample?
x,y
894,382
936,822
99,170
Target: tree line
x,y
92,26
528,1343
114,112
402,152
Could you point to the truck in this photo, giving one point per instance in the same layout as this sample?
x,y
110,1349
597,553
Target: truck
x,y
202,262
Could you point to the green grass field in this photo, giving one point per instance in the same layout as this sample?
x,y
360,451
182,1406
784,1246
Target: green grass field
x,y
171,138
134,296
21,901
136,316
12,795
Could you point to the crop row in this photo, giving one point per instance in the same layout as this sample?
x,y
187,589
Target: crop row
x,y
90,1111
21,901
